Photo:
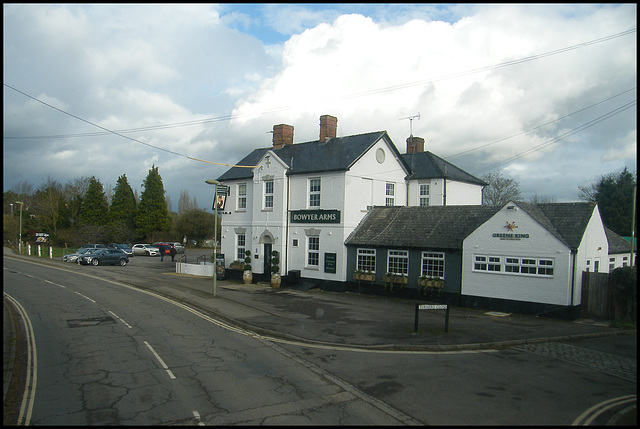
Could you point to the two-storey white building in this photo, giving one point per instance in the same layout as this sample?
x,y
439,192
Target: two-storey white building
x,y
304,199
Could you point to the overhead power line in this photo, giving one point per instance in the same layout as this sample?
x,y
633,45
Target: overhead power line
x,y
561,136
124,136
539,126
343,97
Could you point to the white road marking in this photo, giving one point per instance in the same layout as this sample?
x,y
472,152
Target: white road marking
x,y
26,408
120,319
164,365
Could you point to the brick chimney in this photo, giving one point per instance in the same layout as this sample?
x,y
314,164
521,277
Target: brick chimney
x,y
328,127
282,135
415,144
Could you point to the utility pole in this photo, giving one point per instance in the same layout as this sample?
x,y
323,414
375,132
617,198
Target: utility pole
x,y
215,183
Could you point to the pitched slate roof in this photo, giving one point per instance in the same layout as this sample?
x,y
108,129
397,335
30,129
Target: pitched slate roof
x,y
439,227
569,219
426,165
445,227
336,154
617,244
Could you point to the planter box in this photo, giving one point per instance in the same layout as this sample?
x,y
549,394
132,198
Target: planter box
x,y
401,280
431,283
364,277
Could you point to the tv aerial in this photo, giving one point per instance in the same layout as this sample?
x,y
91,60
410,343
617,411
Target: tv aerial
x,y
411,118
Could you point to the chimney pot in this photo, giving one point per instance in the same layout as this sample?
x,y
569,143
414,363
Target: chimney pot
x,y
415,144
328,127
282,135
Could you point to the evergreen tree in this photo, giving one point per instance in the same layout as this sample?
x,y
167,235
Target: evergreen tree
x,y
152,214
614,196
123,203
95,209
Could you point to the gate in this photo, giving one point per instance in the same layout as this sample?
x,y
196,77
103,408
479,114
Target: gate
x,y
597,296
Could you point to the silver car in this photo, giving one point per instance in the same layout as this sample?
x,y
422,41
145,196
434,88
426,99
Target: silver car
x,y
145,250
73,257
179,247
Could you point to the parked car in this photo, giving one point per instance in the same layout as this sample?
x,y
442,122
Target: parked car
x,y
104,257
73,257
179,247
145,250
93,246
124,247
167,246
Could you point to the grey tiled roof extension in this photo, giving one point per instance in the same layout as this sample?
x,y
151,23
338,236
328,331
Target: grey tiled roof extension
x,y
617,244
426,165
569,219
438,227
445,227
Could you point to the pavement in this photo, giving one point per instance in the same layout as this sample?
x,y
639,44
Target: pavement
x,y
331,319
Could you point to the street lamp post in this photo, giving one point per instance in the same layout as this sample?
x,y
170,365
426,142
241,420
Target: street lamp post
x,y
215,184
20,232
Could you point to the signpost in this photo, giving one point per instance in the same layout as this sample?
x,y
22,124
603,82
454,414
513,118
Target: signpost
x,y
432,307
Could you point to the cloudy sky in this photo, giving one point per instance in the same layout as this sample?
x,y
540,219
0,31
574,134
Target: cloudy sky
x,y
544,94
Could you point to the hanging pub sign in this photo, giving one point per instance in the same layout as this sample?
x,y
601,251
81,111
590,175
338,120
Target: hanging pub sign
x,y
221,197
315,216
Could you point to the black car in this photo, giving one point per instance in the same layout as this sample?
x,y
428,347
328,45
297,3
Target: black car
x,y
104,257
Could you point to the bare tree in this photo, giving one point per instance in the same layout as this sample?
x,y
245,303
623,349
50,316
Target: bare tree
x,y
184,203
543,199
589,192
500,190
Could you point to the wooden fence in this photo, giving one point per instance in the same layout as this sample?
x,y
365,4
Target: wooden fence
x,y
597,296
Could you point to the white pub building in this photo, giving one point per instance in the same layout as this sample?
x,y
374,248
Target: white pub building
x,y
304,199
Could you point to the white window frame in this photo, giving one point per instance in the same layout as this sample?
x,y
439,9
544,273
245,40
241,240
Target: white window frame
x,y
241,204
241,246
398,262
424,190
433,264
312,258
314,191
390,194
514,265
268,196
366,260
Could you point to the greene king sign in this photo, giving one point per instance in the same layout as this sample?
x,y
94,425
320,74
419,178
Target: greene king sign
x,y
315,216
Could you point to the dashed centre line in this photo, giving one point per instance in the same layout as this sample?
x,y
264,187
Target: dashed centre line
x,y
164,365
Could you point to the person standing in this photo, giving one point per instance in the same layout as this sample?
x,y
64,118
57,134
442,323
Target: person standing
x,y
161,247
172,251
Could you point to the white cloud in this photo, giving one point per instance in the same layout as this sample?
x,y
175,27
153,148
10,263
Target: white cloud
x,y
127,66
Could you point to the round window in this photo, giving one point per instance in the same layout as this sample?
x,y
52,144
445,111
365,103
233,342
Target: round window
x,y
380,155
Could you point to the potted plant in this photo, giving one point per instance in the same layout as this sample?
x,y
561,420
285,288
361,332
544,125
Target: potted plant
x,y
365,276
237,265
394,281
275,269
247,275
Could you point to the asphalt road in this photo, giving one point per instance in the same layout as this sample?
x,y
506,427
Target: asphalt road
x,y
561,382
108,355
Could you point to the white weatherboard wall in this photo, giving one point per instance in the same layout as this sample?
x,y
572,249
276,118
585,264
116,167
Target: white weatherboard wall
x,y
539,243
593,247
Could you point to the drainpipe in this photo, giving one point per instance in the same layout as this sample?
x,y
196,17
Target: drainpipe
x,y
286,243
573,276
